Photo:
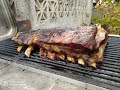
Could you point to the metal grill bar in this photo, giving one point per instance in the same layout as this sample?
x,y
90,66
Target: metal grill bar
x,y
108,73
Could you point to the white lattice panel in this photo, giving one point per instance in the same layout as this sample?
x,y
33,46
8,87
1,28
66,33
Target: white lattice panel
x,y
53,13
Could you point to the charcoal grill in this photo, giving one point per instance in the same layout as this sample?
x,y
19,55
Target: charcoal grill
x,y
107,76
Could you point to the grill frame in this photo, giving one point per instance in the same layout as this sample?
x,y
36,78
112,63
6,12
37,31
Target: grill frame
x,y
112,54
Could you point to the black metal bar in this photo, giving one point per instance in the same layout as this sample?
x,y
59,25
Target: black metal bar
x,y
109,71
37,59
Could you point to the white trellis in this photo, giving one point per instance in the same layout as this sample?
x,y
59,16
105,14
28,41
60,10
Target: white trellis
x,y
53,13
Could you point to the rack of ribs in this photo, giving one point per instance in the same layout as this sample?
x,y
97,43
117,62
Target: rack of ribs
x,y
83,45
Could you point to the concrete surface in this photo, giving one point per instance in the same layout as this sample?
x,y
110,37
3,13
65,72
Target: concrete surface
x,y
16,78
45,15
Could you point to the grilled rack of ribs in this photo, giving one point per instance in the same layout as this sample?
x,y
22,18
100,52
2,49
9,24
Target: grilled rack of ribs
x,y
83,45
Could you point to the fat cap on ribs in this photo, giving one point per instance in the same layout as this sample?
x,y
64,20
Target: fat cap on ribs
x,y
81,37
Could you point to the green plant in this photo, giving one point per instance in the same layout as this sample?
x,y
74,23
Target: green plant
x,y
111,16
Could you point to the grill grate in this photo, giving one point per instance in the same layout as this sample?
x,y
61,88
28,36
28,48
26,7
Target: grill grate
x,y
108,75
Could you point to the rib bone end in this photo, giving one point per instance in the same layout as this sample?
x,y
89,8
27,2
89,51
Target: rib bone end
x,y
81,61
28,51
19,48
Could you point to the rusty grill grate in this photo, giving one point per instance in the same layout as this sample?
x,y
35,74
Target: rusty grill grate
x,y
108,75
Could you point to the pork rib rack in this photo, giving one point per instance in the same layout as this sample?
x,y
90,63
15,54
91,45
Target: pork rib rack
x,y
82,45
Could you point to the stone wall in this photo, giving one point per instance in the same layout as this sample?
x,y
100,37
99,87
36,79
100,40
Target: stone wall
x,y
53,13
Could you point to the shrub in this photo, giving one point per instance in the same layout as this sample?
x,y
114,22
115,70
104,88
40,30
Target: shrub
x,y
111,16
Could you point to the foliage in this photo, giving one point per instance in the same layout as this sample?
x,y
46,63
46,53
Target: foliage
x,y
111,16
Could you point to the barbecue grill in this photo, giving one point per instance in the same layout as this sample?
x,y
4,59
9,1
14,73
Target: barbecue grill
x,y
107,76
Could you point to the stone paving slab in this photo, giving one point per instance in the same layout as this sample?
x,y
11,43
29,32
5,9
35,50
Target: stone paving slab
x,y
16,78
60,85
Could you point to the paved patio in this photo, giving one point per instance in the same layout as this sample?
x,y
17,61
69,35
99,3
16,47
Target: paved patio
x,y
16,77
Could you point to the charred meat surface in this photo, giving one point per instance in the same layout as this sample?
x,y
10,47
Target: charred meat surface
x,y
82,45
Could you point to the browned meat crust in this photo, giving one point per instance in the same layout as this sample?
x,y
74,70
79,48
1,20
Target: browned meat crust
x,y
82,45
